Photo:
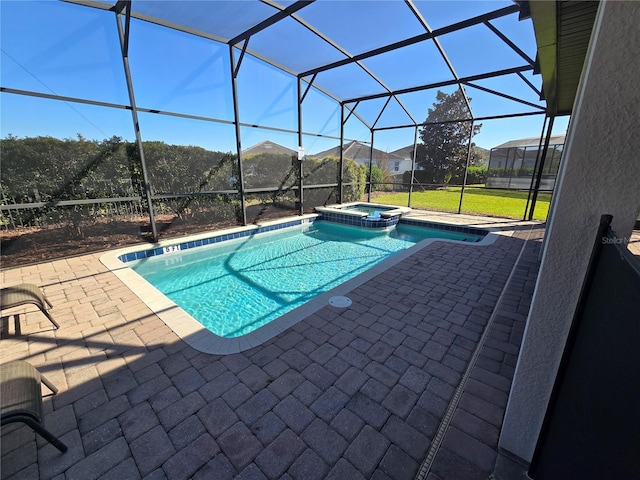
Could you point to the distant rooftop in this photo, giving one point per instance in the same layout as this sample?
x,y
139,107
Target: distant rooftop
x,y
357,150
267,146
532,142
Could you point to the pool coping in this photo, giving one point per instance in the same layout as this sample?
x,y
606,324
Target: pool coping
x,y
341,208
202,339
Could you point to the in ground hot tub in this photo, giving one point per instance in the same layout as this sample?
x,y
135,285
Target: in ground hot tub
x,y
360,214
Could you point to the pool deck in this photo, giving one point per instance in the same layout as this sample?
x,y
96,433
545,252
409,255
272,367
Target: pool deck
x,y
410,381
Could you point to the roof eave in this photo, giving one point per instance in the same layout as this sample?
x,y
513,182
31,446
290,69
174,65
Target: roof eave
x,y
562,30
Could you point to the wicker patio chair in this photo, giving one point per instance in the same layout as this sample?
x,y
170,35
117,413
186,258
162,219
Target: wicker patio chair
x,y
24,294
21,398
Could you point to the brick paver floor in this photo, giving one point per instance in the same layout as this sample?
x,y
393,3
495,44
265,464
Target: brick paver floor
x,y
410,380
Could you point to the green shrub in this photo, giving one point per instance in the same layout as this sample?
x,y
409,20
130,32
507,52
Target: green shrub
x,y
477,175
377,178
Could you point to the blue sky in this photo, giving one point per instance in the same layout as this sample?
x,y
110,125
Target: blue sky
x,y
58,48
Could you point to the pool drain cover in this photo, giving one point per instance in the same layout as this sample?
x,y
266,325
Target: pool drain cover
x,y
340,302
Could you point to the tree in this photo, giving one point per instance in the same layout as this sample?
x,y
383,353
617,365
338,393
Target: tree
x,y
386,177
377,178
443,151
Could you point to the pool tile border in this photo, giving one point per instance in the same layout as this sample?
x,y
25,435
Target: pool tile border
x,y
197,336
170,246
359,221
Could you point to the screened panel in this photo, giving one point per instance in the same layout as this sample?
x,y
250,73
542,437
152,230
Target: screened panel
x,y
359,26
536,81
166,79
285,3
514,86
529,161
517,159
448,107
543,204
395,162
369,110
314,197
50,232
262,207
26,116
320,114
514,167
222,18
179,216
69,185
43,51
46,169
477,50
417,64
553,160
176,130
399,198
498,159
315,146
355,129
497,202
321,170
281,142
46,160
188,169
288,43
496,132
440,14
274,103
354,176
551,165
348,82
188,156
418,103
519,32
486,104
394,114
397,141
269,160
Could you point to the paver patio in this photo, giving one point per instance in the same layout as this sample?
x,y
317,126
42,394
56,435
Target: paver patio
x,y
410,381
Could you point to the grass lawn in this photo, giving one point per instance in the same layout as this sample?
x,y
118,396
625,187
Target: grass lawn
x,y
497,203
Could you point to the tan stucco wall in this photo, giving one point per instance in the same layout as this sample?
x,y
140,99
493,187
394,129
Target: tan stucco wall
x,y
600,174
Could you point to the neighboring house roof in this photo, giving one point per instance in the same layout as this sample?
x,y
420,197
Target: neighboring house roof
x,y
268,146
357,151
532,142
407,153
404,152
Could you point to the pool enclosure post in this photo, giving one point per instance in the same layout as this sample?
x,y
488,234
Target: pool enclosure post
x,y
535,168
123,35
466,168
300,149
341,167
236,123
369,184
413,165
543,157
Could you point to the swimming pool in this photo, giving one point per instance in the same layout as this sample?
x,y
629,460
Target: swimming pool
x,y
267,297
236,287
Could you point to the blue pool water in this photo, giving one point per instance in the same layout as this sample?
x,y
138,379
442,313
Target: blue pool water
x,y
237,286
